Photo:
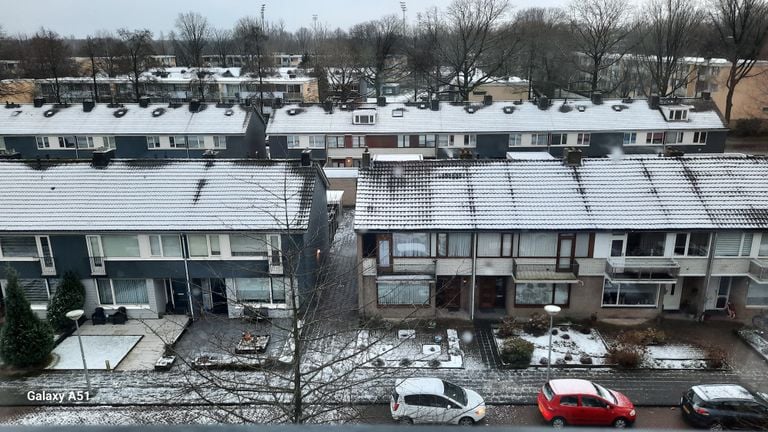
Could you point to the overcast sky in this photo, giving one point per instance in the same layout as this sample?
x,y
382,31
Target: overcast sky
x,y
82,17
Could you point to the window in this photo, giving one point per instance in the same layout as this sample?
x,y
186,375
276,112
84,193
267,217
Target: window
x,y
403,141
358,141
254,245
292,141
67,142
335,141
654,138
488,244
403,292
692,244
201,245
763,250
18,246
253,290
630,138
630,294
537,245
559,139
427,140
122,291
583,139
36,290
673,137
454,244
164,246
195,142
444,140
757,294
316,141
120,245
410,244
646,244
515,139
178,141
678,114
153,142
541,294
2,143
700,137
470,140
539,139
364,119
569,401
84,142
42,142
109,142
733,244
583,240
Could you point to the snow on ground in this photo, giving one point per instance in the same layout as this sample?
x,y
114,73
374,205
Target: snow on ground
x,y
674,356
575,343
391,350
98,349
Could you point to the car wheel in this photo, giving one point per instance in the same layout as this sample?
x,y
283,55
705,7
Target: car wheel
x,y
716,426
558,422
405,421
466,421
620,423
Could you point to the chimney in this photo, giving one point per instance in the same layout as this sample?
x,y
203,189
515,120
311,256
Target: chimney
x,y
434,105
88,105
381,101
101,157
706,96
487,100
277,103
366,158
597,97
653,101
194,105
572,157
144,101
306,158
328,106
543,102
39,102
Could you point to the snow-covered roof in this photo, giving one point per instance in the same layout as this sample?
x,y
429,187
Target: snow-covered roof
x,y
397,157
340,172
334,196
529,155
722,391
715,192
183,75
155,195
28,120
525,117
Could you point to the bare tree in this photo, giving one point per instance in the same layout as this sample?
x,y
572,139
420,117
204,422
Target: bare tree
x,y
544,41
422,63
193,36
92,49
250,40
222,44
48,57
112,54
337,63
138,49
741,27
600,29
202,86
378,44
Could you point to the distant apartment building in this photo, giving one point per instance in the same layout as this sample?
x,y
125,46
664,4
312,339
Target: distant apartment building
x,y
338,134
631,237
143,130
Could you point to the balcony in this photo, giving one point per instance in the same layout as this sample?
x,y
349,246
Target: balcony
x,y
97,266
525,270
758,271
47,266
642,268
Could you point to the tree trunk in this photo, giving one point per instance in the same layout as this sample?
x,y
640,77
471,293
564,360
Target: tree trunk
x,y
58,88
93,75
731,84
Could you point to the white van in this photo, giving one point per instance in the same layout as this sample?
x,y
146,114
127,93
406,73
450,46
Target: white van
x,y
432,400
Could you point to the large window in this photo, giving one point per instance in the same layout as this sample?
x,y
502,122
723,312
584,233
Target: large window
x,y
757,294
410,244
559,139
540,139
630,294
489,244
358,141
36,290
454,244
261,290
109,142
763,251
153,142
316,141
733,244
120,245
42,142
335,141
201,245
122,291
515,139
444,140
692,244
654,138
583,139
403,292
292,141
673,137
178,141
165,246
18,246
537,245
220,142
403,141
195,142
470,140
427,140
700,137
646,244
531,294
253,245
630,138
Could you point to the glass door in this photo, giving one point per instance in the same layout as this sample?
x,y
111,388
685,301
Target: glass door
x,y
96,254
566,245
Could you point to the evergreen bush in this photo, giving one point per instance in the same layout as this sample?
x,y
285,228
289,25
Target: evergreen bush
x,y
517,352
70,295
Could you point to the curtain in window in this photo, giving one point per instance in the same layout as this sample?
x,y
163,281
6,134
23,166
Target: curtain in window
x,y
582,245
35,290
403,293
120,245
728,244
459,244
746,247
411,244
105,291
12,246
248,245
538,244
646,244
488,244
279,286
130,291
253,289
763,251
757,294
171,246
198,245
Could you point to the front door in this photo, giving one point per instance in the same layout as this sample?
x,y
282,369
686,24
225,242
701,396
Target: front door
x,y
384,253
566,245
486,292
671,299
218,296
448,294
718,292
180,297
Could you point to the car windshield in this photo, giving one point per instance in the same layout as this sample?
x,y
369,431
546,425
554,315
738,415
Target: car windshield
x,y
455,392
605,393
548,393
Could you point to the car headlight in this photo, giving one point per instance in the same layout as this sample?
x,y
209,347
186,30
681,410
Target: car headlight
x,y
632,413
480,411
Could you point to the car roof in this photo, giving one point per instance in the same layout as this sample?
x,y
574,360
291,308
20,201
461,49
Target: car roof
x,y
714,392
411,386
573,386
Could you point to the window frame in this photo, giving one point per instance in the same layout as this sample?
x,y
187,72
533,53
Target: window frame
x,y
209,244
153,142
112,292
515,139
43,142
400,284
358,141
334,141
536,137
271,290
629,138
655,137
700,137
292,141
583,139
553,293
653,305
313,144
562,139
447,235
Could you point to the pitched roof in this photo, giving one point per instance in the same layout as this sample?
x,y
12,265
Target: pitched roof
x,y
155,195
525,117
706,192
27,120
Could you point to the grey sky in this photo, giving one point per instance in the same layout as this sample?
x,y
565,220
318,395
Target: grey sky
x,y
82,17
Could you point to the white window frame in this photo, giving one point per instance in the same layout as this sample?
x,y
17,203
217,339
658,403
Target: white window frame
x,y
2,143
583,139
515,139
114,302
650,137
196,142
43,142
317,141
470,140
403,141
686,251
153,142
292,141
65,143
700,137
208,244
358,141
174,141
673,137
27,258
109,141
741,247
162,246
88,142
563,139
629,138
535,137
286,284
335,141
655,304
220,142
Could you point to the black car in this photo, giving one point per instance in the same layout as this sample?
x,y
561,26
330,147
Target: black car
x,y
724,406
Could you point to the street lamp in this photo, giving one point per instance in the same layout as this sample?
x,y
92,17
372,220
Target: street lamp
x,y
551,310
75,315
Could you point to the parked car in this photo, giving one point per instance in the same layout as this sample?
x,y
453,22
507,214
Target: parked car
x,y
724,406
581,402
433,400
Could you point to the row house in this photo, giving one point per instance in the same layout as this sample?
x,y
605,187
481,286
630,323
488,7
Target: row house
x,y
338,134
142,130
166,236
629,237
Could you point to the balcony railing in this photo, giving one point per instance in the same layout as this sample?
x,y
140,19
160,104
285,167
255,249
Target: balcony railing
x,y
97,266
758,270
642,268
527,270
47,266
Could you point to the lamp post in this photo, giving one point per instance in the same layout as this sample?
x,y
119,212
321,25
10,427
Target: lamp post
x,y
551,310
75,315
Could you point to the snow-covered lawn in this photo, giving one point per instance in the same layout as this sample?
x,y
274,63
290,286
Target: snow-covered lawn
x,y
98,349
569,342
673,356
410,351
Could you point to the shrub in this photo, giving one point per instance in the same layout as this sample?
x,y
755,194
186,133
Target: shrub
x,y
517,352
649,336
70,295
565,336
560,361
554,332
537,324
585,359
568,356
434,363
24,340
507,327
716,357
406,362
585,330
379,362
626,356
748,127
654,336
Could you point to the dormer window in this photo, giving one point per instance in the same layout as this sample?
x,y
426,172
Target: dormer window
x,y
678,113
364,117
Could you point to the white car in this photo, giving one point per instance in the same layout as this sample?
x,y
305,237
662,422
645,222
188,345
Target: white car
x,y
432,400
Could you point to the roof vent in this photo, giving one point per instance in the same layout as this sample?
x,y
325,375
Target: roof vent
x,y
470,109
398,112
50,112
518,102
144,101
434,104
295,111
508,109
306,158
120,112
157,112
581,108
88,105
619,107
39,102
627,100
572,157
423,105
229,112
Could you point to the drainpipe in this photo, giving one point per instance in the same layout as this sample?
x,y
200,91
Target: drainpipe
x,y
474,271
185,254
708,272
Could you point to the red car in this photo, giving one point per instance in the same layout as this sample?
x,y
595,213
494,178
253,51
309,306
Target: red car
x,y
581,402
